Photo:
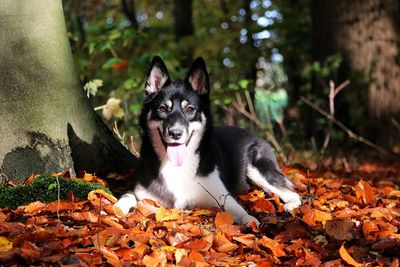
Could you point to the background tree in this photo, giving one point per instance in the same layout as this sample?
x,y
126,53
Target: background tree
x,y
366,34
47,122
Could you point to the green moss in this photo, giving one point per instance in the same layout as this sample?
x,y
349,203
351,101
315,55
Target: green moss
x,y
44,189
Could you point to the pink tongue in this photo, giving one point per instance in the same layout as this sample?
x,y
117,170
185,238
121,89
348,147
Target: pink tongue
x,y
176,154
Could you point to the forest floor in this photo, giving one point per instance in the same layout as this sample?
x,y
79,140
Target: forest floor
x,y
348,218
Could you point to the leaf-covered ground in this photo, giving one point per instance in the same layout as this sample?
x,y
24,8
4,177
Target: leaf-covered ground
x,y
351,221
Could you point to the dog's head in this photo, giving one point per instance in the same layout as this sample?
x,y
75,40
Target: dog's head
x,y
174,113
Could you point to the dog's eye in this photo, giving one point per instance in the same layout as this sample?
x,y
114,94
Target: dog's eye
x,y
163,109
189,109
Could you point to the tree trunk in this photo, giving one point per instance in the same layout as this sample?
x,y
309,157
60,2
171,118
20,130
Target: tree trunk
x,y
47,122
183,27
366,33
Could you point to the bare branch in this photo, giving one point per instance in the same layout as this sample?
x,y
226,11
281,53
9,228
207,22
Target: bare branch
x,y
349,132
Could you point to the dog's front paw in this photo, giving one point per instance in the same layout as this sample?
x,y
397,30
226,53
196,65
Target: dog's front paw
x,y
126,202
292,203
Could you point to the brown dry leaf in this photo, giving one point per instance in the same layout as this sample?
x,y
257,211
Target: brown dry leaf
x,y
196,256
30,251
175,239
147,207
84,216
222,244
223,218
111,257
35,207
252,196
340,229
100,193
276,248
369,227
347,257
248,240
312,216
157,258
30,179
365,192
230,229
263,205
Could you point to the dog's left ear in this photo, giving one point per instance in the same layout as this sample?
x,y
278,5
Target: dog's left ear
x,y
197,77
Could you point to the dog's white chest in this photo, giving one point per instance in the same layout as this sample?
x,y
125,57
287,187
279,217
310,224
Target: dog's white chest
x,y
191,190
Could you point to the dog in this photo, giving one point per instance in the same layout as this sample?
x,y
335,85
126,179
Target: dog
x,y
186,163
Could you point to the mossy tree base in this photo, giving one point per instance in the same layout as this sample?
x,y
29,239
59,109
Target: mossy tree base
x,y
45,189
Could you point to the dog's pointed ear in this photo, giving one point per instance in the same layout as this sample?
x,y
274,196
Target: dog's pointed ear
x,y
197,77
157,76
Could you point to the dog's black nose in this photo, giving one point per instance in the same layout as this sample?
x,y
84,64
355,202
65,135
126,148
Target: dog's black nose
x,y
175,133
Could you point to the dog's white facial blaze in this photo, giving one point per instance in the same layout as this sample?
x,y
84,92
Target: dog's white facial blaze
x,y
195,133
292,199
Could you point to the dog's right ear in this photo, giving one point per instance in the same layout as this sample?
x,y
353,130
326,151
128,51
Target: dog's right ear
x,y
157,76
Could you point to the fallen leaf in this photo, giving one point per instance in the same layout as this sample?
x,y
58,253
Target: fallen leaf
x,y
147,207
347,257
163,214
365,192
276,248
5,244
157,258
223,218
340,229
222,244
263,205
35,207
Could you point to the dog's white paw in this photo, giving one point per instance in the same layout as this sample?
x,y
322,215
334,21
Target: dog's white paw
x,y
292,203
126,202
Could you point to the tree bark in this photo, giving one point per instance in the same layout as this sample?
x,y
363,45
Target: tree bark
x,y
47,123
366,33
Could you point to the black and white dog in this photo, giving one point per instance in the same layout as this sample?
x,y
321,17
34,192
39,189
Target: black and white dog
x,y
186,163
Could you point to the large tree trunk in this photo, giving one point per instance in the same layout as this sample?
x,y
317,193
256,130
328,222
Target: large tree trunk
x,y
47,122
367,34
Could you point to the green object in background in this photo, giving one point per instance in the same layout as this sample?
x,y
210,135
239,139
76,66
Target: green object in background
x,y
270,104
44,189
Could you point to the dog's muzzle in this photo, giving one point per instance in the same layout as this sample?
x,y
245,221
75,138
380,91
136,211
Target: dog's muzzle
x,y
176,151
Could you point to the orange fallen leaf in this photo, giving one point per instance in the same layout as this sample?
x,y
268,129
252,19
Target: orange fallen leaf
x,y
222,244
35,207
196,256
344,254
223,218
365,192
276,248
147,207
263,205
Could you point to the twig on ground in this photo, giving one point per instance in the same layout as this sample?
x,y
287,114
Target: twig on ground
x,y
58,198
222,207
349,132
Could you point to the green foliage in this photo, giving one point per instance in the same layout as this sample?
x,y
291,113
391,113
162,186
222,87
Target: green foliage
x,y
270,105
45,189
